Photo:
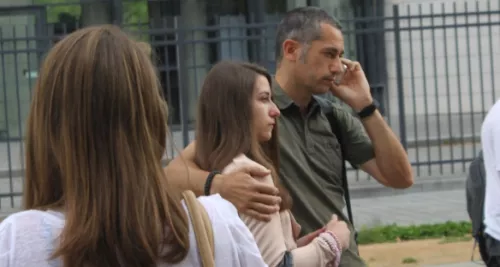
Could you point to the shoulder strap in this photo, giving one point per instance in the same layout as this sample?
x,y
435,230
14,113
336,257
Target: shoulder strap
x,y
327,109
202,229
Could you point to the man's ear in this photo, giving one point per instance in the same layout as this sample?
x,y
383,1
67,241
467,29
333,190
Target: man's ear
x,y
291,50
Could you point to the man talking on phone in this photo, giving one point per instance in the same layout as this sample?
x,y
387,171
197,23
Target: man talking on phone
x,y
309,58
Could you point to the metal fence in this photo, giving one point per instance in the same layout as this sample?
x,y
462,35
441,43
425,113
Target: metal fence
x,y
432,66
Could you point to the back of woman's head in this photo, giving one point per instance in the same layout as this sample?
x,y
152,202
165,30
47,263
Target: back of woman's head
x,y
225,120
95,138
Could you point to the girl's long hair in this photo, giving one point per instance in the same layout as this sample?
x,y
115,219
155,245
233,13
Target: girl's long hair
x,y
224,123
95,137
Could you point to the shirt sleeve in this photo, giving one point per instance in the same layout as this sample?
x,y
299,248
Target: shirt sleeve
x,y
248,252
6,243
357,145
495,131
234,243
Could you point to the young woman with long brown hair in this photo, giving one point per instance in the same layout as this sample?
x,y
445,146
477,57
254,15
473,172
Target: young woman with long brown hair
x,y
95,192
236,126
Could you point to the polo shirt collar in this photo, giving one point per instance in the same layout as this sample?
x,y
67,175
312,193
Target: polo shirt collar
x,y
282,100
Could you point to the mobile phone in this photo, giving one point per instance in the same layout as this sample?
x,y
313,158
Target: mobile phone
x,y
340,76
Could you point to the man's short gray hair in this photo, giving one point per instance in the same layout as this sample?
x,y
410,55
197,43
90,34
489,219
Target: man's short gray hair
x,y
303,25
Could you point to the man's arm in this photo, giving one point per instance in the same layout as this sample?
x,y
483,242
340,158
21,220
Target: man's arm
x,y
183,172
390,166
371,145
250,196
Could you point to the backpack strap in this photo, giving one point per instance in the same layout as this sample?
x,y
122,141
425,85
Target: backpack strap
x,y
327,109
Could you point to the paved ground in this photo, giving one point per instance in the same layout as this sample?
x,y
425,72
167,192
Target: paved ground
x,y
415,208
463,264
407,209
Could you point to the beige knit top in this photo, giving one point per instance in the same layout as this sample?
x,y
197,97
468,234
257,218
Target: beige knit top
x,y
276,237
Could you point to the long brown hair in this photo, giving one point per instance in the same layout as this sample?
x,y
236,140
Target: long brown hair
x,y
224,123
95,137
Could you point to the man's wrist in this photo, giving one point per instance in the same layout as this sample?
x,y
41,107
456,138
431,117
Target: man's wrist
x,y
360,105
207,188
376,117
368,111
216,184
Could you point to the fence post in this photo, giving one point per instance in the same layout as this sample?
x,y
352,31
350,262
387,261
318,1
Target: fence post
x,y
257,45
399,77
180,39
117,11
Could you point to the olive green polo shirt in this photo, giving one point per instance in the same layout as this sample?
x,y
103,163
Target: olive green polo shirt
x,y
310,162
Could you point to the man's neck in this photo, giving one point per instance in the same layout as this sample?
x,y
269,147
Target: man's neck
x,y
299,96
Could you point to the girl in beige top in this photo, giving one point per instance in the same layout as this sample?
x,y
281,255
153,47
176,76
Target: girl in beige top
x,y
236,126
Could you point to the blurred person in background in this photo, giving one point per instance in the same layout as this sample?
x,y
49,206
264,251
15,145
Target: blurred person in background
x,y
490,142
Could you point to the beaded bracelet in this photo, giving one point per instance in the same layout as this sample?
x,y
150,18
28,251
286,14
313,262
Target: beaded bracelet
x,y
338,247
336,239
333,246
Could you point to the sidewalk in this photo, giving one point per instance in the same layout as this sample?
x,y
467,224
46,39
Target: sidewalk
x,y
464,264
414,208
406,209
411,208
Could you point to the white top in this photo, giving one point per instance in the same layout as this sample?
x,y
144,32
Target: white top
x,y
27,238
490,140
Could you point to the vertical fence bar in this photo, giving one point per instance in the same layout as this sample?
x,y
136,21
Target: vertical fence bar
x,y
20,120
490,39
30,68
19,116
436,91
469,68
459,85
193,69
183,76
424,85
258,10
413,91
448,93
163,39
116,11
480,62
399,71
6,112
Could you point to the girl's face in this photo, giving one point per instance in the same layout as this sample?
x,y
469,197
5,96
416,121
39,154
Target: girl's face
x,y
265,112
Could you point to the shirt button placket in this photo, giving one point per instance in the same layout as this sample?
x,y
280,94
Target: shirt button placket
x,y
309,143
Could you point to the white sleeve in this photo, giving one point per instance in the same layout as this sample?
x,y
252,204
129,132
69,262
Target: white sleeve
x,y
6,243
248,252
495,134
27,239
234,243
